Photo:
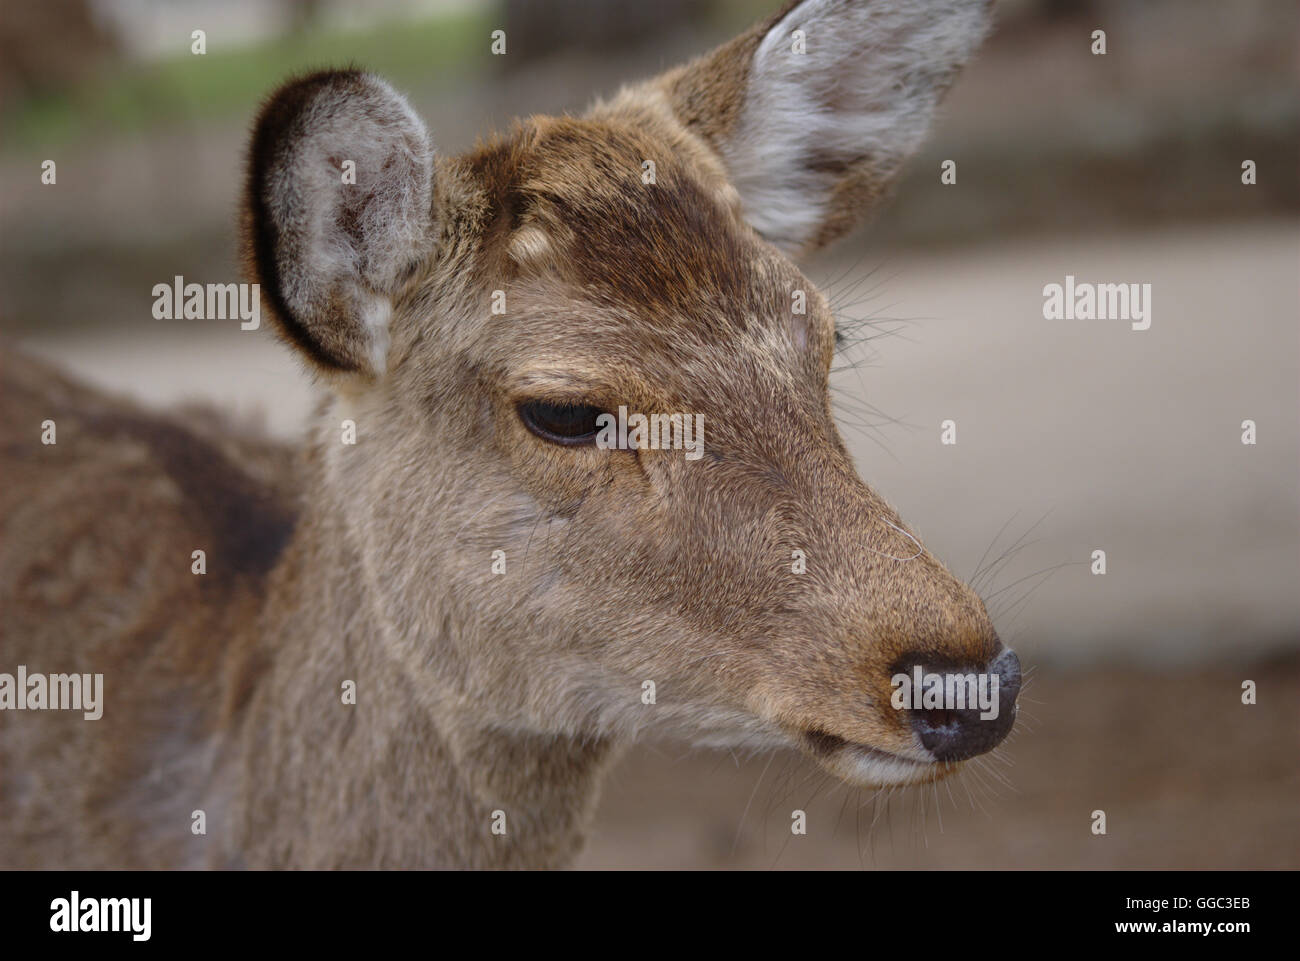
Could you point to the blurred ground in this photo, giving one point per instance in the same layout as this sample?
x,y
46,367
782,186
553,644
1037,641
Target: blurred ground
x,y
1188,776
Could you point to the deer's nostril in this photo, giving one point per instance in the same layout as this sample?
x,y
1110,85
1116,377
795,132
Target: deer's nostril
x,y
958,714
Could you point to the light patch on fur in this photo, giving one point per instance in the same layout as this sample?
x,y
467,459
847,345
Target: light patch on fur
x,y
531,248
376,311
870,769
864,92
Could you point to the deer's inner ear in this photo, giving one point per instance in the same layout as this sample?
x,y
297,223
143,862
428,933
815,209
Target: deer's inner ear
x,y
814,112
338,215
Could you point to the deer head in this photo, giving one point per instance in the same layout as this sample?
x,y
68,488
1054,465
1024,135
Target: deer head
x,y
478,316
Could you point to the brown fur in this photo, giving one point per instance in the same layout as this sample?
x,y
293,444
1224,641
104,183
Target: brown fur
x,y
476,692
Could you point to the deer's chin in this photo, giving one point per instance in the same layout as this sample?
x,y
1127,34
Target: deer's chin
x,y
865,766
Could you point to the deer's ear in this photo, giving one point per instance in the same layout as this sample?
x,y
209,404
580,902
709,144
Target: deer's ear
x,y
814,112
337,213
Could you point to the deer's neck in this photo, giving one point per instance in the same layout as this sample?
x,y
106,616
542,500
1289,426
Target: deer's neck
x,y
397,778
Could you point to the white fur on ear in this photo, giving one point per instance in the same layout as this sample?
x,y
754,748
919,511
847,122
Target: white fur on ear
x,y
376,310
860,97
342,180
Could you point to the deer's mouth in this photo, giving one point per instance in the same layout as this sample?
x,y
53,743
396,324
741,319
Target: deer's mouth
x,y
864,765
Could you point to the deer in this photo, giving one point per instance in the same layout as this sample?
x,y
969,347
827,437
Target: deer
x,y
497,591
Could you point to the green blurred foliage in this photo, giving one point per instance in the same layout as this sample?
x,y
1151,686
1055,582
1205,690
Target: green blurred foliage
x,y
125,97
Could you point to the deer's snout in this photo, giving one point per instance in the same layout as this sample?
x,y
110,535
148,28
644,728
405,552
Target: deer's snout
x,y
959,714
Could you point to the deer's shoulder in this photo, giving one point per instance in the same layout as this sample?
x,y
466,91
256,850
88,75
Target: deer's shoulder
x,y
108,505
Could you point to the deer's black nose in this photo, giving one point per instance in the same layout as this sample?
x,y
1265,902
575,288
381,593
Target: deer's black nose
x,y
962,713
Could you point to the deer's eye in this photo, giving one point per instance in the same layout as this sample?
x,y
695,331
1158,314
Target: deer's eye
x,y
569,424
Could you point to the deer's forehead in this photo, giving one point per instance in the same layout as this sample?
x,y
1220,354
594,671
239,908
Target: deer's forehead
x,y
632,220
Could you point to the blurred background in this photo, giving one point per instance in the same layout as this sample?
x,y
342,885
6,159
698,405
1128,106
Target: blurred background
x,y
1072,436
